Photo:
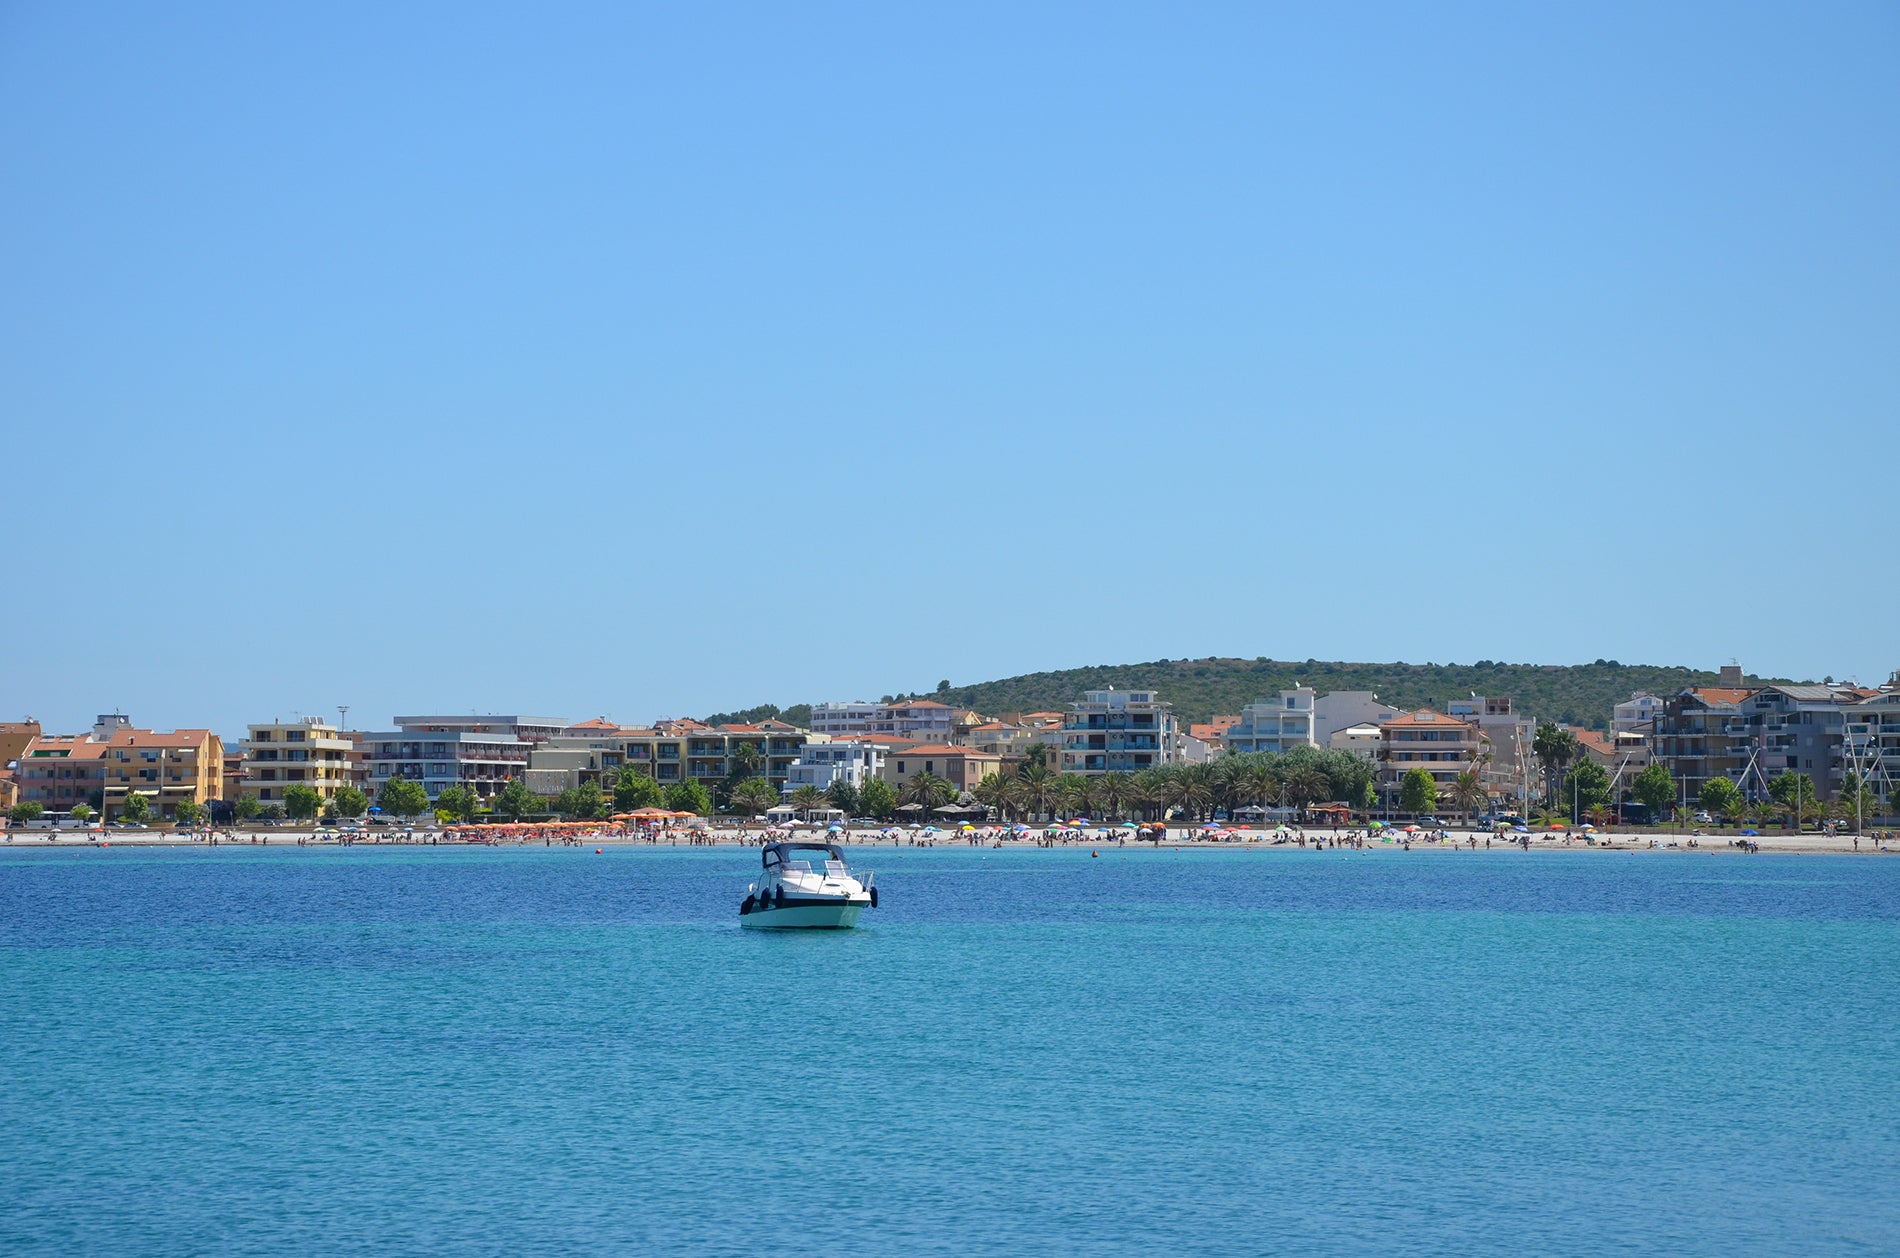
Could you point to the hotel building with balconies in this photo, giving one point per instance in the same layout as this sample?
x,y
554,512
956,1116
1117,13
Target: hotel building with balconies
x,y
306,752
1117,731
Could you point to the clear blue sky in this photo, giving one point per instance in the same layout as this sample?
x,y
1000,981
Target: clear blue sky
x,y
589,359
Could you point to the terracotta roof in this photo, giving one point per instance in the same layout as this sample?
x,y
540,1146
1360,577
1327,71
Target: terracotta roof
x,y
598,723
72,747
920,703
1599,743
945,749
1720,696
152,738
1423,717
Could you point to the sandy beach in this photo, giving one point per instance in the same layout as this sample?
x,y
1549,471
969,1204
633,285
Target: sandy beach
x,y
1178,837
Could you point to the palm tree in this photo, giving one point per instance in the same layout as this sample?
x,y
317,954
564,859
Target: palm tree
x,y
1191,789
1554,747
1072,792
1038,787
1145,791
1257,783
754,795
746,760
1306,784
806,798
1467,792
929,790
1000,791
1109,792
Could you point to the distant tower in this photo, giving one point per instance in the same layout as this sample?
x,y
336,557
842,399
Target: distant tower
x,y
342,716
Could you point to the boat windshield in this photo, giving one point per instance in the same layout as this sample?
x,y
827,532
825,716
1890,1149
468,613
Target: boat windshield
x,y
804,857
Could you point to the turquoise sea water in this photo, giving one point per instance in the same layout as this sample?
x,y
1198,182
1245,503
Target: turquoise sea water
x,y
1223,1052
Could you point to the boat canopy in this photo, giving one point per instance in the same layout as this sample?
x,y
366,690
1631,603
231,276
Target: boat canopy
x,y
779,853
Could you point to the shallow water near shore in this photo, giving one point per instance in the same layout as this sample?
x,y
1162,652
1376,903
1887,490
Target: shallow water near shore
x,y
250,1050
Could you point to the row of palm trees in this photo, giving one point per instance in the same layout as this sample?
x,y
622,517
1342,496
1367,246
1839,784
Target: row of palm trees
x,y
1187,790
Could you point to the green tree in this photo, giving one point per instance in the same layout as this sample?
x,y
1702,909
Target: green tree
x,y
245,808
457,803
1000,791
746,762
403,797
515,800
83,814
1793,791
350,802
877,798
301,802
1305,784
1189,788
929,790
843,796
689,797
1418,793
1467,793
135,808
754,795
1655,790
25,811
1588,788
585,802
1856,801
1555,747
186,813
806,798
1108,794
1717,797
634,789
1072,792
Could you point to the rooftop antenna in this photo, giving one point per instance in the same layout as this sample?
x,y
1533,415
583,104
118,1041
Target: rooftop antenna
x,y
343,716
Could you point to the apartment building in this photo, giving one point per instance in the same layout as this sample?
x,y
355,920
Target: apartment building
x,y
1117,731
585,753
1335,711
309,751
1638,710
1362,740
1440,744
686,750
61,771
962,767
845,720
479,752
822,763
166,768
1274,725
15,736
1505,762
1701,734
921,720
101,769
1870,741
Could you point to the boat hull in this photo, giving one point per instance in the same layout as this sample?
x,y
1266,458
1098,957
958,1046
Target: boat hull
x,y
840,916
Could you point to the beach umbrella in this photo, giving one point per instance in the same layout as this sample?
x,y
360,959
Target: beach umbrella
x,y
834,826
1212,825
1019,828
1556,825
1411,829
1521,829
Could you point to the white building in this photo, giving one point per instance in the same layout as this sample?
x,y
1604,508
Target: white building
x,y
925,720
1639,709
1361,740
1270,725
842,720
822,763
1334,712
1117,731
1506,739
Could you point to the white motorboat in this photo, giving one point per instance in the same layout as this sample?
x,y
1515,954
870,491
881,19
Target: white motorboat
x,y
806,886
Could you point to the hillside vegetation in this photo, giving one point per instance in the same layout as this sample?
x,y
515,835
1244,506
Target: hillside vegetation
x,y
1579,694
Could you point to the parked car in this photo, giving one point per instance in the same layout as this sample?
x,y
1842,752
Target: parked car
x,y
1703,817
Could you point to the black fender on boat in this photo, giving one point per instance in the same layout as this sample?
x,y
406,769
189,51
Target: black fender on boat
x,y
873,897
745,906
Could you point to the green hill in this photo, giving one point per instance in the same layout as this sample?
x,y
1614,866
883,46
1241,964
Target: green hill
x,y
1580,694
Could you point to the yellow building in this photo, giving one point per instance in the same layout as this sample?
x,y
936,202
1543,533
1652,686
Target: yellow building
x,y
167,769
310,752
